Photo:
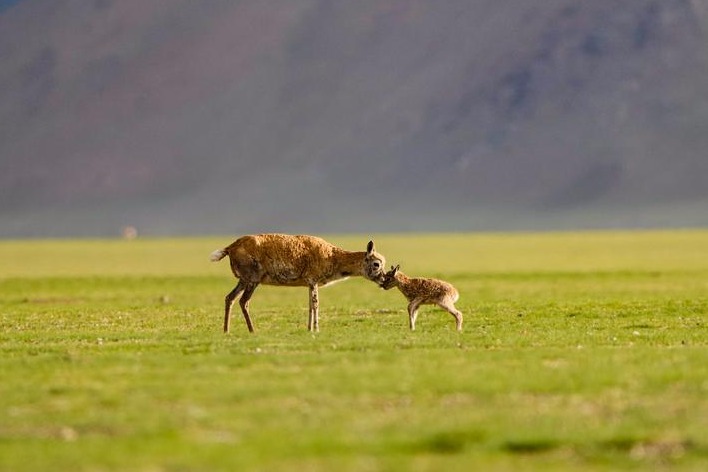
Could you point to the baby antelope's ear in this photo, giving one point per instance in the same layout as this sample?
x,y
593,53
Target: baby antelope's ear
x,y
395,269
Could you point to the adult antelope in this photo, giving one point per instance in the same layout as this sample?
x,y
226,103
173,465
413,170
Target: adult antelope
x,y
292,261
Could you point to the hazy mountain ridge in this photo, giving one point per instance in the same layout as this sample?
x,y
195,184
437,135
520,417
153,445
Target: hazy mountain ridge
x,y
309,115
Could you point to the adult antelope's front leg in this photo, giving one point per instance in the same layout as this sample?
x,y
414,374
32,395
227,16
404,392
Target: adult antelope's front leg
x,y
313,323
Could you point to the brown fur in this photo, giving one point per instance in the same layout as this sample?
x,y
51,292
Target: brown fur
x,y
423,291
292,261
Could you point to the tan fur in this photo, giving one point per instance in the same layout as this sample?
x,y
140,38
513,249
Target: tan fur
x,y
292,261
423,291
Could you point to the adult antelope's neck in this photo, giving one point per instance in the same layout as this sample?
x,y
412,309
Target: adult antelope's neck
x,y
350,262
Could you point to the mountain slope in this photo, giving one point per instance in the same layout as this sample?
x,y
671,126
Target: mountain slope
x,y
183,117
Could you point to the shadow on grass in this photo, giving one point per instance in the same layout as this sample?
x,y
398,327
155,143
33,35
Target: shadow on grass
x,y
533,446
447,442
636,449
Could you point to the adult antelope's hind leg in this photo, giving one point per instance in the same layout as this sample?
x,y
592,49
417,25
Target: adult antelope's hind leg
x,y
313,323
228,302
243,301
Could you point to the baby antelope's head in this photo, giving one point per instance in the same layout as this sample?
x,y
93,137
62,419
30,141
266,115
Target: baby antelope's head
x,y
389,278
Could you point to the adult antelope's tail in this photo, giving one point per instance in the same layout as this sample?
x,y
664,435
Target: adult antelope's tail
x,y
217,255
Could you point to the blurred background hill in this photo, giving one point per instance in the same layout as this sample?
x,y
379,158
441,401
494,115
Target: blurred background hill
x,y
181,117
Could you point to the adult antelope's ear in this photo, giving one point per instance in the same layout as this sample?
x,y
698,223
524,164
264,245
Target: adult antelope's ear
x,y
370,247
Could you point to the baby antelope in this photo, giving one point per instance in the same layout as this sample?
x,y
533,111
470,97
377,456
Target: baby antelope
x,y
423,291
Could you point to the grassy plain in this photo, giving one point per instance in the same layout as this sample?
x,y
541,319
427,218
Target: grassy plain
x,y
579,350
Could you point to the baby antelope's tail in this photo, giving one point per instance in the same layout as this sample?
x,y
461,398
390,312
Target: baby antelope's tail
x,y
217,255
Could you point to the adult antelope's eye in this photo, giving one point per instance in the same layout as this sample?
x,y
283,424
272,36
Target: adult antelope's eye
x,y
377,265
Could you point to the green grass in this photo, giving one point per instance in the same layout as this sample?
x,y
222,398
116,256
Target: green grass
x,y
579,350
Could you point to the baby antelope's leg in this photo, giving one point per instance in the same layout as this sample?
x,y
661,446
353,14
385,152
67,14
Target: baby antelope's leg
x,y
450,308
413,313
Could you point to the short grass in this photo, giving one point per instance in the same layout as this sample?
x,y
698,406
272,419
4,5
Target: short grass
x,y
583,351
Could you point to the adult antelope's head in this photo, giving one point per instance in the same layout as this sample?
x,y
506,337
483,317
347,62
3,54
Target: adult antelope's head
x,y
374,264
